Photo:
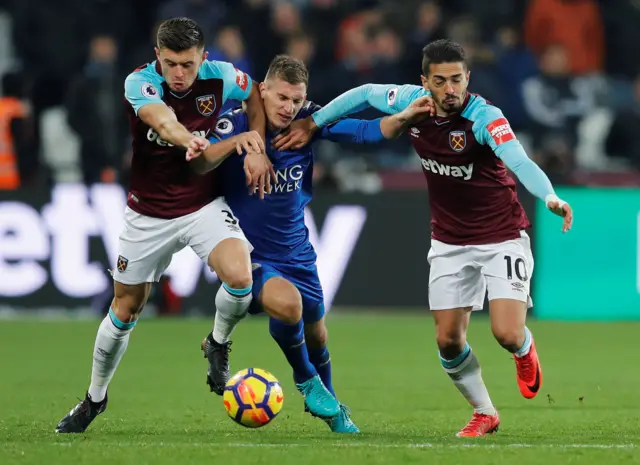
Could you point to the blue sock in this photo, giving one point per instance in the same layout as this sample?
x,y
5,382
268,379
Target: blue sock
x,y
290,338
322,361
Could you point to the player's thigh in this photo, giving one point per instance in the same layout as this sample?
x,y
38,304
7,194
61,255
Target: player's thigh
x,y
280,299
145,248
455,280
508,317
214,234
508,269
305,278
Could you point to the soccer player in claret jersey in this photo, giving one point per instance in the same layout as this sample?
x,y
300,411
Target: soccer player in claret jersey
x,y
286,283
173,104
478,238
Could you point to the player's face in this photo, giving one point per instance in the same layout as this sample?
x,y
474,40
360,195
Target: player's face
x,y
180,69
282,101
448,85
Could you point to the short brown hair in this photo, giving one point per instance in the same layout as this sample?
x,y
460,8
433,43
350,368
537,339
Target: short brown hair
x,y
180,34
288,69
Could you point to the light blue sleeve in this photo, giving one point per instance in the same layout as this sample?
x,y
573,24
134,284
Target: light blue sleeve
x,y
386,98
490,127
236,84
143,87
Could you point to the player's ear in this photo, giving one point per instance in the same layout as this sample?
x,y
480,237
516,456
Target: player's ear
x,y
205,54
262,88
425,81
157,50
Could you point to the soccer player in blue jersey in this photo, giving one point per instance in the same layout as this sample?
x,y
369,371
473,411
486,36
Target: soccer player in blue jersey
x,y
285,278
478,240
173,105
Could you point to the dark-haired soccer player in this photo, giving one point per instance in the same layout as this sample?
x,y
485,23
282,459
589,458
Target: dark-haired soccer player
x,y
478,238
173,104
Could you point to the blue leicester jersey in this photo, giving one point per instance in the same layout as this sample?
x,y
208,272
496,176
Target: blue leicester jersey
x,y
275,226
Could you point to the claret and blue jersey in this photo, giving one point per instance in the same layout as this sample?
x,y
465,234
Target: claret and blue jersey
x,y
464,158
275,226
162,182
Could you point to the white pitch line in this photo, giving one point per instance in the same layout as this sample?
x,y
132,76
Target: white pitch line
x,y
366,445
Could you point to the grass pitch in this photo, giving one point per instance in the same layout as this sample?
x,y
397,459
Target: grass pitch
x,y
385,368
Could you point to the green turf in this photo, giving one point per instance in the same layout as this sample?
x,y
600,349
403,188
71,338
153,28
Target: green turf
x,y
385,368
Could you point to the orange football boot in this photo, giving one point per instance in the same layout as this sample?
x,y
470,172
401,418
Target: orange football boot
x,y
529,372
480,425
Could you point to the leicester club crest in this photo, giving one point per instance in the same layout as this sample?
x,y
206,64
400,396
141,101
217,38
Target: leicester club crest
x,y
206,104
457,140
122,263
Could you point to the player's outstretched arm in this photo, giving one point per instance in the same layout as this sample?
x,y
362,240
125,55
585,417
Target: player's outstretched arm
x,y
389,99
255,114
159,117
356,131
493,129
395,125
143,91
247,142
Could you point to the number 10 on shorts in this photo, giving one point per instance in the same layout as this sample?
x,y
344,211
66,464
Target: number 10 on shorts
x,y
518,266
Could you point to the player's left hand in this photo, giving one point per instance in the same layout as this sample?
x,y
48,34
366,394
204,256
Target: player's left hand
x,y
259,172
420,109
562,209
297,136
196,147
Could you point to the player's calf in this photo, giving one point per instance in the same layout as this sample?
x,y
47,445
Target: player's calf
x,y
316,335
508,326
459,361
282,301
230,259
110,345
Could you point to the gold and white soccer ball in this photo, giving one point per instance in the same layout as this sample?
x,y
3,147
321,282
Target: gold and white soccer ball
x,y
253,397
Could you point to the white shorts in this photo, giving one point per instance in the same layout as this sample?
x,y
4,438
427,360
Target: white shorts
x,y
460,275
147,244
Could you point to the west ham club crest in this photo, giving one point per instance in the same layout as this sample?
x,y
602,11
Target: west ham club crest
x,y
122,263
206,104
457,140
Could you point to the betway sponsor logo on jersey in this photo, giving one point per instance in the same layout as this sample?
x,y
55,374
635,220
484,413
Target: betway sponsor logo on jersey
x,y
455,171
288,179
152,136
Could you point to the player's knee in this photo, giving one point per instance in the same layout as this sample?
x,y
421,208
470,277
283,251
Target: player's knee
x,y
289,309
450,342
239,279
129,300
508,337
316,335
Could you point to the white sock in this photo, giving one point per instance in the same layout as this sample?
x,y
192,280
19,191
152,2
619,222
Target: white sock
x,y
111,342
231,308
526,346
465,373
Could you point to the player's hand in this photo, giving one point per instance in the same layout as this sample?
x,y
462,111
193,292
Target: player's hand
x,y
419,110
562,209
249,142
259,172
297,136
196,147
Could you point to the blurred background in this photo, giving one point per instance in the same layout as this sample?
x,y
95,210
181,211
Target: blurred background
x,y
564,73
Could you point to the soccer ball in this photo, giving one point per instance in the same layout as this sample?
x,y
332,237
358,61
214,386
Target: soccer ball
x,y
253,397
